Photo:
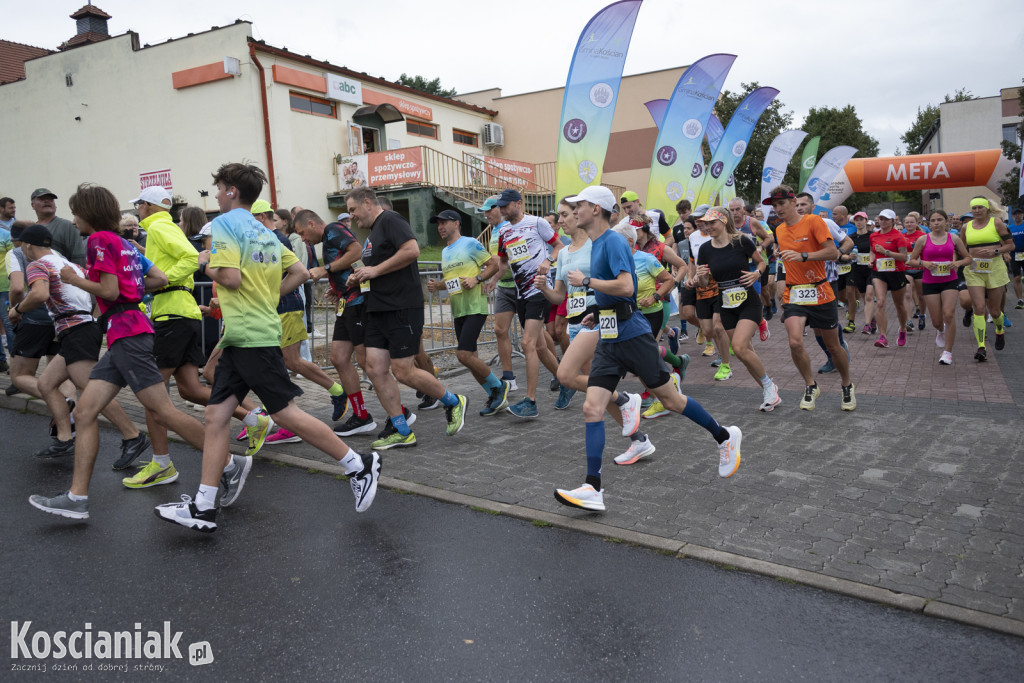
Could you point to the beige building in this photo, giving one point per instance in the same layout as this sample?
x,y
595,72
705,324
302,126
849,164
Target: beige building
x,y
978,124
530,122
109,110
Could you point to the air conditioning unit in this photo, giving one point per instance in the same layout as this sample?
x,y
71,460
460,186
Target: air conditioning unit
x,y
494,135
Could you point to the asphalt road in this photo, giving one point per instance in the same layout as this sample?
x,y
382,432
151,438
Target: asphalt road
x,y
295,584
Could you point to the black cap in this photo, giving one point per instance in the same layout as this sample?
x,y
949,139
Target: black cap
x,y
43,192
1017,210
16,231
37,235
446,215
509,196
778,193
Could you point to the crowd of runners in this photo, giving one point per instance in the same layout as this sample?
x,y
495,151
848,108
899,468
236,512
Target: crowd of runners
x,y
595,279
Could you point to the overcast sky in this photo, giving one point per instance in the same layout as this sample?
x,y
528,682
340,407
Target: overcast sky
x,y
886,57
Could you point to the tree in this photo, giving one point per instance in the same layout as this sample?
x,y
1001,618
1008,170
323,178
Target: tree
x,y
926,118
1009,188
772,122
837,127
423,85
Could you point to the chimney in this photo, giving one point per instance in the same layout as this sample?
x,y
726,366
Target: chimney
x,y
91,22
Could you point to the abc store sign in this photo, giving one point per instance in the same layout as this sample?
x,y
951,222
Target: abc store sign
x,y
344,90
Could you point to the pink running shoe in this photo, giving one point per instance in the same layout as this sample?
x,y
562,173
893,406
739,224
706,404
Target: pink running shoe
x,y
763,329
283,436
901,339
882,342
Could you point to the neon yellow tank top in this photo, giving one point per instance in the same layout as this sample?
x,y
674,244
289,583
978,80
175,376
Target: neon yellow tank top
x,y
982,237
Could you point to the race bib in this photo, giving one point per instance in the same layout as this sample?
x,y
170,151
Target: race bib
x,y
517,251
734,297
844,268
341,308
942,269
982,265
1018,256
863,259
576,304
454,286
609,324
885,265
803,295
364,286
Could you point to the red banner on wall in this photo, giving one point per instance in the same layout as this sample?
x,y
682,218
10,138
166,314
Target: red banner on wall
x,y
160,178
394,167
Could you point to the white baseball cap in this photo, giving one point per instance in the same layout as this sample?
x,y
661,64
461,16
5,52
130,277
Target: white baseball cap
x,y
595,194
154,195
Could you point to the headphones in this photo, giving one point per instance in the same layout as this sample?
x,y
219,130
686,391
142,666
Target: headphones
x,y
231,194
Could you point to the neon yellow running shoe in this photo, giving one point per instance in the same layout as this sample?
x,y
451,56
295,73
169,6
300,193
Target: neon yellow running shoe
x,y
153,474
656,410
258,434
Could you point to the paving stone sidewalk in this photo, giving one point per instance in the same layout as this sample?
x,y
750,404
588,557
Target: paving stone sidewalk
x,y
919,491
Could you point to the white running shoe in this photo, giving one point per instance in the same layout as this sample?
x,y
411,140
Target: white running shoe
x,y
946,358
729,453
940,337
770,398
585,498
637,450
630,414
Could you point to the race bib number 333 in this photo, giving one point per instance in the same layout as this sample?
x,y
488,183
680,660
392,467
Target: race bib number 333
x,y
518,251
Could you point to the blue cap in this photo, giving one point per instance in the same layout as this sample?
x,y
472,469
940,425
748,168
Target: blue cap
x,y
509,196
488,205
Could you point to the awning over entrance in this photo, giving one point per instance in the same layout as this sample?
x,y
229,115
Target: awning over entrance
x,y
385,113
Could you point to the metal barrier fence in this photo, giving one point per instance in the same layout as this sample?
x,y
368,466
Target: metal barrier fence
x,y
438,325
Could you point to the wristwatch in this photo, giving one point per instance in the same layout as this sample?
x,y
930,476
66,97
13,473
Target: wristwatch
x,y
552,260
586,282
657,297
479,279
803,255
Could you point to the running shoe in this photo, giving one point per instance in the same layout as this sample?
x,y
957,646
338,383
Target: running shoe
x,y
770,398
810,397
585,498
340,404
637,450
511,382
555,384
849,401
56,449
646,401
729,453
153,474
564,397
526,409
673,340
390,438
981,355
681,370
917,312
258,434
763,330
61,505
940,337
724,373
946,358
498,400
683,336
851,327
456,415
874,326
1007,322
700,337
282,435
188,515
866,329
709,349
828,367
882,342
775,308
901,338
364,483
630,414
766,312
920,322
1000,341
717,362
243,435
967,318
428,403
131,449
909,326
1020,304
356,425
656,410
234,479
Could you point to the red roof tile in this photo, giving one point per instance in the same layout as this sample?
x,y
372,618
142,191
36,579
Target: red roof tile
x,y
13,57
90,10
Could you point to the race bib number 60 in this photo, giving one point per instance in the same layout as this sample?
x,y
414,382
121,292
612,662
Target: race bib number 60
x,y
982,265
